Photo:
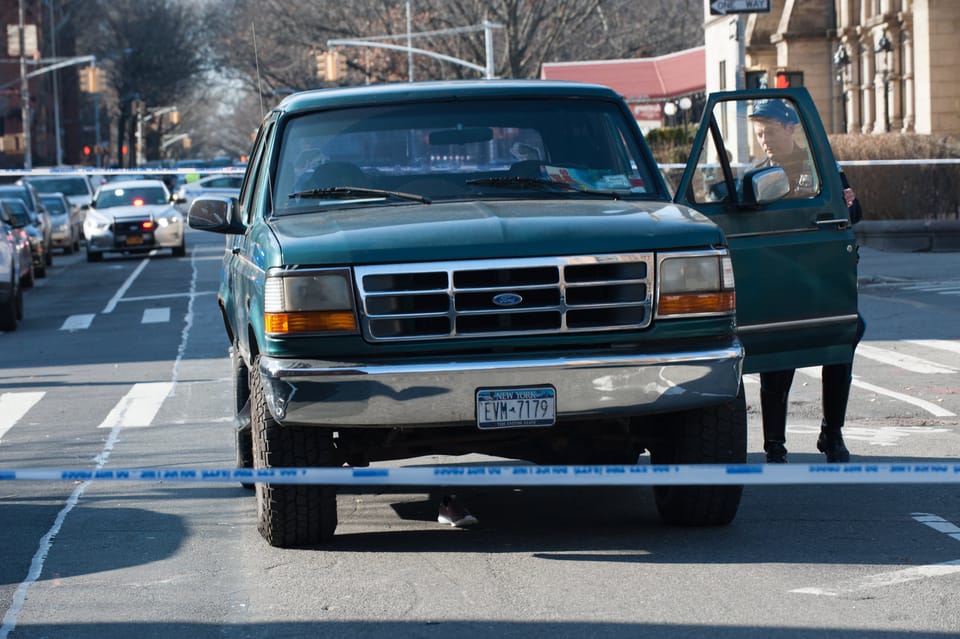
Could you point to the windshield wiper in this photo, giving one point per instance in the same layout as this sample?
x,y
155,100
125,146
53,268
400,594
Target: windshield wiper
x,y
515,182
351,192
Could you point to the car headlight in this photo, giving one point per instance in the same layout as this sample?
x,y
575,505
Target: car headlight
x,y
695,284
95,223
314,301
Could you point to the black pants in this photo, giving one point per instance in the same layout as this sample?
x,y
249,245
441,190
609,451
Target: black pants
x,y
835,390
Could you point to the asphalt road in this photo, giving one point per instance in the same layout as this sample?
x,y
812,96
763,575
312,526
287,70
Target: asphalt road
x,y
123,363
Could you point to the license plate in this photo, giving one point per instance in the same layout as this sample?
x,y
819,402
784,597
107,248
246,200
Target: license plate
x,y
134,240
516,407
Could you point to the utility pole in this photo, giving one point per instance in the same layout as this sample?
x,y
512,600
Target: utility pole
x,y
56,87
24,96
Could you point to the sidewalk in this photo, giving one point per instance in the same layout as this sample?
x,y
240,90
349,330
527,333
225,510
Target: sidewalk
x,y
885,266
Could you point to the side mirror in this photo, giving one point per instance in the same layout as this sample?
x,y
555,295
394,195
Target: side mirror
x,y
216,214
762,186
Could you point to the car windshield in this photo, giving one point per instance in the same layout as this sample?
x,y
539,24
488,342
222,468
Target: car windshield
x,y
136,196
462,150
65,185
54,205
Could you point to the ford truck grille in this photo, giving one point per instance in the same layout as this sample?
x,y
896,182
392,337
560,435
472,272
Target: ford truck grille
x,y
485,298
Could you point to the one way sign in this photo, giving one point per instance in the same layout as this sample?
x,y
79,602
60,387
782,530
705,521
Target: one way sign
x,y
723,7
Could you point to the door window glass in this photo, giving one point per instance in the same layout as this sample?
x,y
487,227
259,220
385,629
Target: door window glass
x,y
753,134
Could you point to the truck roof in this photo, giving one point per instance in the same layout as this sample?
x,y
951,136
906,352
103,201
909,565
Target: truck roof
x,y
439,90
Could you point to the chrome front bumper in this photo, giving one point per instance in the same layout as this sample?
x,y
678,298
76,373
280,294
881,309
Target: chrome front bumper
x,y
325,393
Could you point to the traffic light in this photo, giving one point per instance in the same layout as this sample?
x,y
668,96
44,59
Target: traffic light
x,y
92,79
756,79
787,79
331,66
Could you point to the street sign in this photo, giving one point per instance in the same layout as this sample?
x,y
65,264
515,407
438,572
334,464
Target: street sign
x,y
723,7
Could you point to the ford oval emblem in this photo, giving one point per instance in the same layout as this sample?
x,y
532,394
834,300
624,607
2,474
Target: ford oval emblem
x,y
507,299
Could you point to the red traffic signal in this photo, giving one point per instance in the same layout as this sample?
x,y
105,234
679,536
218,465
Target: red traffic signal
x,y
787,79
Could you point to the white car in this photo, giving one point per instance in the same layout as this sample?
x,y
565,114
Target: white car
x,y
227,185
133,216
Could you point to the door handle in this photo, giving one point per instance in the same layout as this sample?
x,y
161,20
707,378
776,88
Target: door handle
x,y
839,222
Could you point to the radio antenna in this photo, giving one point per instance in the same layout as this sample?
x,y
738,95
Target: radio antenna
x,y
256,61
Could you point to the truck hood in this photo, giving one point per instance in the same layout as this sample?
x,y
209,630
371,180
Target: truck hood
x,y
489,229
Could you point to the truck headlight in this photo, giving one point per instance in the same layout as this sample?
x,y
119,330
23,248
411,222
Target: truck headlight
x,y
695,284
309,301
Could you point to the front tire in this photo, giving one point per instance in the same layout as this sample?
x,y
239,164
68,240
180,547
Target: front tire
x,y
10,308
241,409
288,515
709,435
94,256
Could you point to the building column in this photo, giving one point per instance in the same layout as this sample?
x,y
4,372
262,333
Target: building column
x,y
909,116
867,79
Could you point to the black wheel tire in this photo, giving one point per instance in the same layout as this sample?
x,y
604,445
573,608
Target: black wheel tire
x,y
710,435
48,257
180,251
8,310
68,249
29,279
290,516
40,271
241,399
94,256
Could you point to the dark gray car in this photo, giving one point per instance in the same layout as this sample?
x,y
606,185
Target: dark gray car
x,y
38,213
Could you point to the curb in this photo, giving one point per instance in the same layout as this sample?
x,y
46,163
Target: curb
x,y
909,235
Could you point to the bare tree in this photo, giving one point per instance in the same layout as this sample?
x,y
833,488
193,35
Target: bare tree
x,y
272,43
149,50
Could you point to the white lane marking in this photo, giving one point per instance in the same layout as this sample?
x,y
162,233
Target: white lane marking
x,y
13,406
46,542
77,322
155,315
939,524
883,436
899,576
930,407
900,360
885,579
941,344
139,406
147,298
112,304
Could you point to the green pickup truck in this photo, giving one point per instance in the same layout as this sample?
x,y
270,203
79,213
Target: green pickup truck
x,y
500,267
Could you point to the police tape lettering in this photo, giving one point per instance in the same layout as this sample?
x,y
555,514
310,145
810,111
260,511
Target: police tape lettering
x,y
522,475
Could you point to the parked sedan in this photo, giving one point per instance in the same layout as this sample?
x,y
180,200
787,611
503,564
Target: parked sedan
x,y
227,185
133,216
11,295
39,215
38,245
14,217
65,220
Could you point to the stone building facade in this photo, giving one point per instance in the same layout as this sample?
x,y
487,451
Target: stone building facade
x,y
872,66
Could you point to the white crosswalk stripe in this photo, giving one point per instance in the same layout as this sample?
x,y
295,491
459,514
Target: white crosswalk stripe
x,y
13,406
84,321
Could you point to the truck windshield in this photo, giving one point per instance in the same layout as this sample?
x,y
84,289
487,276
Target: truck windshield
x,y
463,150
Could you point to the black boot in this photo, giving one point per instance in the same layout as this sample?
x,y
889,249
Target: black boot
x,y
774,392
836,390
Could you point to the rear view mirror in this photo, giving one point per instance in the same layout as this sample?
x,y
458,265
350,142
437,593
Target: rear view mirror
x,y
761,186
461,136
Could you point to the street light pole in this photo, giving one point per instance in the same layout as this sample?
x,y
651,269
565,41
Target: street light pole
x,y
24,96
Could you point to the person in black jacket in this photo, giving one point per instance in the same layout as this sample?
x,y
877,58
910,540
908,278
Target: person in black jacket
x,y
774,123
